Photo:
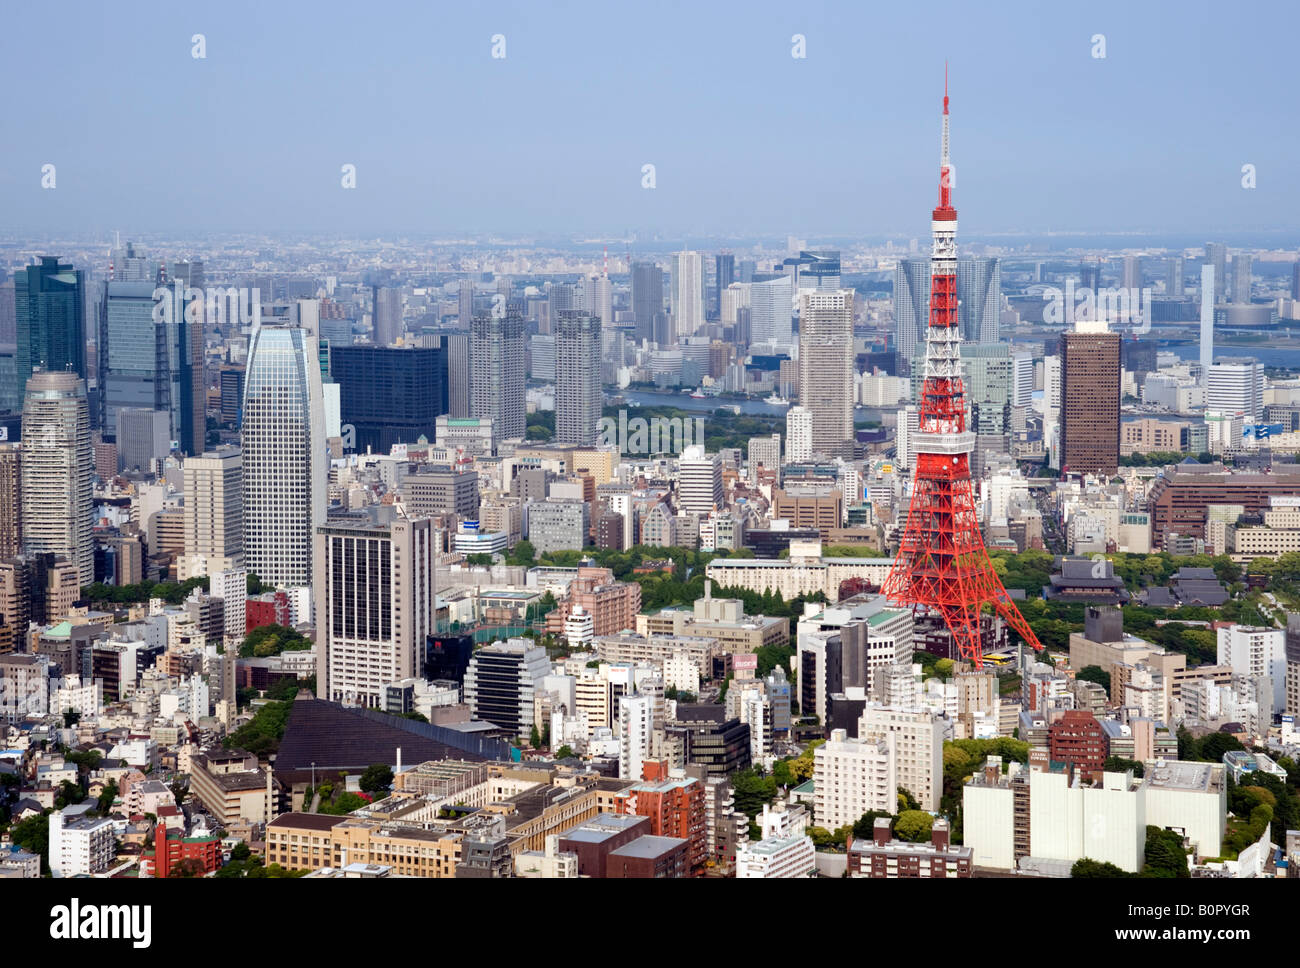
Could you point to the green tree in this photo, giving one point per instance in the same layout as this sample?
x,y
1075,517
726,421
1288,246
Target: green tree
x,y
865,826
1084,867
752,789
268,640
107,796
377,778
1165,856
906,801
535,737
1118,764
70,718
1095,674
33,836
913,826
564,752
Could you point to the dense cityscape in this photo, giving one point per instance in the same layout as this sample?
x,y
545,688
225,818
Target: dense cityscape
x,y
647,556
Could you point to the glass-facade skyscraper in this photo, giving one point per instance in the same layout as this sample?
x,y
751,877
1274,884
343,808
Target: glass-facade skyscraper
x,y
577,378
390,395
285,466
49,310
979,302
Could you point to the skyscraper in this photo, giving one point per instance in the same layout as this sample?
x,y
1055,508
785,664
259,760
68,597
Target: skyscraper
x,y
600,300
578,396
1241,265
11,501
214,509
57,471
148,359
1216,254
1174,278
1295,281
1208,284
49,315
647,297
456,348
979,302
687,293
387,315
826,368
1235,385
798,434
497,372
724,274
1132,278
374,604
699,481
284,456
1022,379
1090,399
771,312
465,304
390,394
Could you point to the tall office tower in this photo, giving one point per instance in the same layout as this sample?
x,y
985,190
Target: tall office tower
x,y
456,348
1090,399
374,605
762,452
1090,276
189,272
57,471
11,501
770,313
1295,281
390,394
502,680
1241,265
798,434
745,270
130,263
1022,380
1216,254
687,303
943,569
826,368
979,302
143,436
387,302
1208,284
214,509
735,298
814,269
599,300
699,480
724,274
137,357
647,297
49,316
1235,385
578,396
911,306
1174,278
465,304
1132,273
497,372
1052,409
8,314
284,458
541,357
979,299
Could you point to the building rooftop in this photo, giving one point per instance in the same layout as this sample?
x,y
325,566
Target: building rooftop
x,y
306,821
1183,775
648,847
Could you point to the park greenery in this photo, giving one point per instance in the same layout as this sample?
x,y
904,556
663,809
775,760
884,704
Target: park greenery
x,y
268,640
173,593
262,734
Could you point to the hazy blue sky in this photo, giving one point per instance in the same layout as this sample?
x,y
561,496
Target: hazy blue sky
x,y
745,138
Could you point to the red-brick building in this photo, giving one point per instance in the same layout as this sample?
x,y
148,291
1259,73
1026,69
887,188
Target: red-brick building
x,y
675,806
271,608
883,858
170,847
1077,739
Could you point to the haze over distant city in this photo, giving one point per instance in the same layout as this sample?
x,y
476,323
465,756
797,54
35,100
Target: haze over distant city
x,y
551,139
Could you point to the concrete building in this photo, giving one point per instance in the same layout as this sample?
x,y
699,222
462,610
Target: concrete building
x,y
501,681
214,510
80,848
58,471
826,368
853,776
918,748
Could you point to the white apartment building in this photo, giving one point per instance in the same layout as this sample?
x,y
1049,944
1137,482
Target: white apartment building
x,y
777,857
80,847
918,748
852,777
1251,651
1070,821
635,727
798,434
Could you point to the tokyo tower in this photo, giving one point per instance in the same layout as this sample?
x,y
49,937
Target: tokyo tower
x,y
943,568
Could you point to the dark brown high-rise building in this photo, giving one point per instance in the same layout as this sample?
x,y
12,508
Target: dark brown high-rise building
x,y
1090,402
11,501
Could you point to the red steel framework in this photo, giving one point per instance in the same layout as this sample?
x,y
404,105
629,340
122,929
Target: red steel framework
x,y
942,566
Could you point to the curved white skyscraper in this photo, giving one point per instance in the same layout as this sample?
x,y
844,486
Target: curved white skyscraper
x,y
57,467
285,462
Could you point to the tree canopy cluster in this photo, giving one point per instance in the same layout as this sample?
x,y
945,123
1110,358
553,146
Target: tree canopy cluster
x,y
268,640
173,593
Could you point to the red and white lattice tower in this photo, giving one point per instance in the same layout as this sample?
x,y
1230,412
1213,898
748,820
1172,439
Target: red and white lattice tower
x,y
943,568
